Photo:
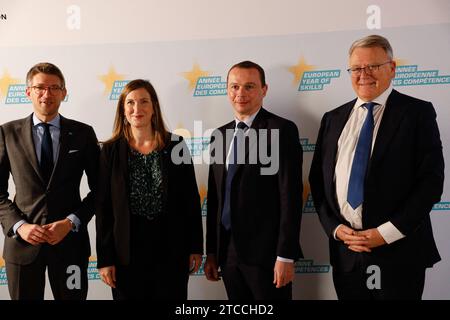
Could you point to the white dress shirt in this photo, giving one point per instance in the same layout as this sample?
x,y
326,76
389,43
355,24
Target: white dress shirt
x,y
346,150
248,121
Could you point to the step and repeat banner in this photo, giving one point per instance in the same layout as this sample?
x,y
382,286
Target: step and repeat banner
x,y
306,74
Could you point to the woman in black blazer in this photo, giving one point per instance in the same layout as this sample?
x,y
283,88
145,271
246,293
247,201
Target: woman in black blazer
x,y
148,218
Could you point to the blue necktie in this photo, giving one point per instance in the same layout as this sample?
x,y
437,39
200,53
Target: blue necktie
x,y
46,153
355,193
232,166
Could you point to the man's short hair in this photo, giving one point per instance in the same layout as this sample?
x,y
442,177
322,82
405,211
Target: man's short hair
x,y
250,65
371,41
47,68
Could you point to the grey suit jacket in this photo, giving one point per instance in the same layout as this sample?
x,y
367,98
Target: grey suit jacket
x,y
41,203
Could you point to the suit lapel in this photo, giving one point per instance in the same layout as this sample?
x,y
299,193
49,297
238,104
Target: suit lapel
x,y
28,144
164,161
66,134
393,113
123,160
65,137
220,173
227,134
120,163
336,125
260,122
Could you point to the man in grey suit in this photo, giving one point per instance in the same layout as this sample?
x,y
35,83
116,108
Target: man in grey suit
x,y
45,225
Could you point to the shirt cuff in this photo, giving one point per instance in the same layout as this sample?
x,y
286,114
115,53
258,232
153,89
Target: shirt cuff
x,y
389,232
335,232
75,220
17,226
284,259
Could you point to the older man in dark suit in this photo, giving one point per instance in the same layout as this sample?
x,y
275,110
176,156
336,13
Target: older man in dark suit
x,y
377,170
254,201
46,223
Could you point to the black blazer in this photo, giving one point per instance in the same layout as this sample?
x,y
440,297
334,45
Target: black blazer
x,y
39,203
265,209
404,179
181,204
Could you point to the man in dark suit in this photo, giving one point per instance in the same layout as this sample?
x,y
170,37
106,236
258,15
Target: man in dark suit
x,y
45,225
254,203
377,170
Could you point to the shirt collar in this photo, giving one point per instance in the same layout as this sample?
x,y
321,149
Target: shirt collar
x,y
249,119
56,122
380,100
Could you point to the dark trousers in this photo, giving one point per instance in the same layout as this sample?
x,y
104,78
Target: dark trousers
x,y
156,271
250,282
68,280
396,282
144,282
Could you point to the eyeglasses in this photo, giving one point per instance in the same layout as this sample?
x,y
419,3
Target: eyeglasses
x,y
369,69
51,89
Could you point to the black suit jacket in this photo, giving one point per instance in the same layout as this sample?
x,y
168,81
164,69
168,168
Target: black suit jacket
x,y
265,209
404,179
39,203
182,234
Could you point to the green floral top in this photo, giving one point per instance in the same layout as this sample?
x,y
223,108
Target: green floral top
x,y
145,184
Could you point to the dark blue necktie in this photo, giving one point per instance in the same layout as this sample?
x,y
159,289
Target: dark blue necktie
x,y
46,153
355,193
232,166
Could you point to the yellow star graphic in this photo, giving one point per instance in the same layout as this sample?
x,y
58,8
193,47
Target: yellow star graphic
x,y
401,62
185,133
202,192
306,190
109,78
5,82
2,262
299,69
193,75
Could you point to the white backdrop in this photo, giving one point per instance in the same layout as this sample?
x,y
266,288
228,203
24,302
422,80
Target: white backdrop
x,y
179,49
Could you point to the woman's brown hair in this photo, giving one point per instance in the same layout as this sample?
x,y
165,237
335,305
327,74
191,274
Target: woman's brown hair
x,y
122,126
